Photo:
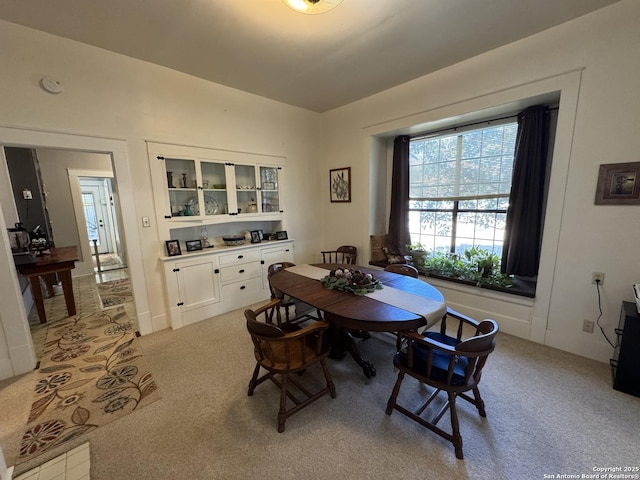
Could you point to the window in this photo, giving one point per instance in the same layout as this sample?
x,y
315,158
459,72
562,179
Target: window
x,y
459,186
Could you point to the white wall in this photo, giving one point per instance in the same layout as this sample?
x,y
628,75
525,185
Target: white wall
x,y
114,97
595,62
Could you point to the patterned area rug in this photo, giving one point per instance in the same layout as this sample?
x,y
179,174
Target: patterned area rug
x,y
115,292
92,373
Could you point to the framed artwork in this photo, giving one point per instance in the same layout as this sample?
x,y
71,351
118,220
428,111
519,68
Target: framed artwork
x,y
340,184
281,235
255,236
261,235
173,248
193,245
618,184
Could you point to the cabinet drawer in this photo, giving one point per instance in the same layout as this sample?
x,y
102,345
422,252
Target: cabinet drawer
x,y
240,272
244,293
239,257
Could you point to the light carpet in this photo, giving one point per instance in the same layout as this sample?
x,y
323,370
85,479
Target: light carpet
x,y
548,412
92,372
115,292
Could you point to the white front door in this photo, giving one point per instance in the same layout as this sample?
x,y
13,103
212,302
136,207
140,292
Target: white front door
x,y
96,206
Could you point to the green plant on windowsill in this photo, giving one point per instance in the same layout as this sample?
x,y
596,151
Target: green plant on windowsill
x,y
474,265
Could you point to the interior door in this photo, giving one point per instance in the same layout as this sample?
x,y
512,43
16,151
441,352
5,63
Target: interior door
x,y
95,203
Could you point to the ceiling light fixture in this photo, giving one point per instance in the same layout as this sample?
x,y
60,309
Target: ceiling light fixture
x,y
312,7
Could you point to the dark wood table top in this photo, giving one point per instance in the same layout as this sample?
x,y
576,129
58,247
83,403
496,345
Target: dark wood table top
x,y
362,312
60,257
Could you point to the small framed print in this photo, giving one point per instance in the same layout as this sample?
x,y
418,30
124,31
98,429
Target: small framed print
x,y
173,248
255,236
281,235
268,186
618,184
261,235
340,184
193,245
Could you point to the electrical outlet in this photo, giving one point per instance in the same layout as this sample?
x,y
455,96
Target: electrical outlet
x,y
26,194
145,222
588,326
597,277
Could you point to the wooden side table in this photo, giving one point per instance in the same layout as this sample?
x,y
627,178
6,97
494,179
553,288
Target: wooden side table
x,y
61,261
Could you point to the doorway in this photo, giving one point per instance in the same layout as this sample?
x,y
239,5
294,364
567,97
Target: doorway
x,y
97,204
94,204
13,318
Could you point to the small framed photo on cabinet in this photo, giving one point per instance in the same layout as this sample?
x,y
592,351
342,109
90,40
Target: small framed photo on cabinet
x,y
255,236
281,235
173,248
193,245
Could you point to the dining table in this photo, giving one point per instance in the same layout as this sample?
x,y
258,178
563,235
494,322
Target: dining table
x,y
403,303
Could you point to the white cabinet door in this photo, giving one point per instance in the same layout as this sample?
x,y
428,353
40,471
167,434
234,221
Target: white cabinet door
x,y
198,288
274,254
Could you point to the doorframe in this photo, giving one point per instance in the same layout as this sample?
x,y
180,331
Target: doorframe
x,y
15,333
76,199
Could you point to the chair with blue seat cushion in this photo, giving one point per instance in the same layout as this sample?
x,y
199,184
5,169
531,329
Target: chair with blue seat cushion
x,y
449,364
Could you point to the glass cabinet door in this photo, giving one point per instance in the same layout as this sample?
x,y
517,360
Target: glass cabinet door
x,y
269,189
246,193
214,188
182,186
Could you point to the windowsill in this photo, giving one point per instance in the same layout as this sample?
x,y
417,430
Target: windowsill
x,y
520,287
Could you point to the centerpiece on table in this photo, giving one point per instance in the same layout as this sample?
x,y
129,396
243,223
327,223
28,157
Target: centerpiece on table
x,y
348,280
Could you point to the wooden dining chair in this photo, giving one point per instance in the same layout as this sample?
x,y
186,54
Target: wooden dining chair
x,y
402,269
449,364
295,311
281,354
344,254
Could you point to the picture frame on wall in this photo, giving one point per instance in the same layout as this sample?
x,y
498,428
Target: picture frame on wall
x,y
193,245
340,185
618,184
255,236
173,248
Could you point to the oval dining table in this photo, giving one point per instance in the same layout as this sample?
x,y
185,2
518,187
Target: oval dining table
x,y
404,303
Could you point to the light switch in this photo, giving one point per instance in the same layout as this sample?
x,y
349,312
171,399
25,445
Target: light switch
x,y
145,222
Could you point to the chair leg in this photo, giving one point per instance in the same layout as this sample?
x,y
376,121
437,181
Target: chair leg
x,y
394,394
282,414
254,378
327,377
456,437
479,402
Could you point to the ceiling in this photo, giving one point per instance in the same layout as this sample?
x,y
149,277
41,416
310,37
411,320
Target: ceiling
x,y
316,62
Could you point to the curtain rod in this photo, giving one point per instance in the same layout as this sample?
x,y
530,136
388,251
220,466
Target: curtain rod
x,y
457,127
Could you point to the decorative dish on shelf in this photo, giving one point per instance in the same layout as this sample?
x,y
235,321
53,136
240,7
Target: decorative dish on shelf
x,y
233,240
211,207
348,280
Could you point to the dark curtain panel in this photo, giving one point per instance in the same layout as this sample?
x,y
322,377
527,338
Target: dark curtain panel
x,y
521,251
399,237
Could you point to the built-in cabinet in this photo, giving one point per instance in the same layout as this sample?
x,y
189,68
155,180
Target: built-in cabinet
x,y
207,194
205,186
205,284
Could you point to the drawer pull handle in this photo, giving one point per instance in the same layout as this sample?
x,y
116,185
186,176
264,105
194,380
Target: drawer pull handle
x,y
242,287
240,256
241,271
